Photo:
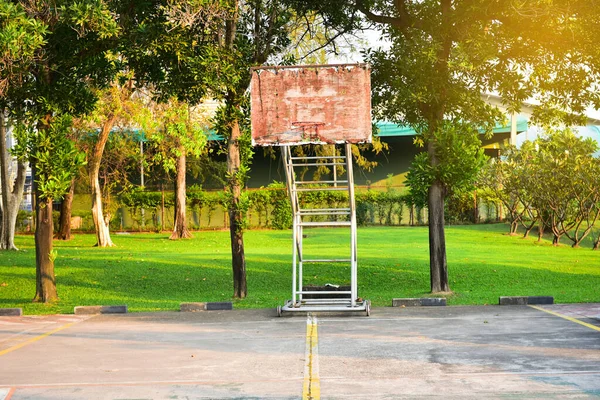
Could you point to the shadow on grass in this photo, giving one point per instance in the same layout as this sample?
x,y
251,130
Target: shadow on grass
x,y
393,262
16,301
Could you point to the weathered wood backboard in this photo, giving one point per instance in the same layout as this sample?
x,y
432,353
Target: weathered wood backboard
x,y
311,104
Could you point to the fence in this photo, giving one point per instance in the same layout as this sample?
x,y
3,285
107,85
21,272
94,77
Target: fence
x,y
266,208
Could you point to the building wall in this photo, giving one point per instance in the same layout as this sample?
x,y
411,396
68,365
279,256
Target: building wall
x,y
395,161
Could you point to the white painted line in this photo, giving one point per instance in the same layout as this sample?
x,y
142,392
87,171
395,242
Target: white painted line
x,y
142,383
4,393
267,381
311,389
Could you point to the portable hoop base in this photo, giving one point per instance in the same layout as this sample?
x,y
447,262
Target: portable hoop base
x,y
326,305
304,300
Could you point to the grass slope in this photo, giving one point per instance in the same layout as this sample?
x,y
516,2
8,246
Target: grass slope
x,y
150,272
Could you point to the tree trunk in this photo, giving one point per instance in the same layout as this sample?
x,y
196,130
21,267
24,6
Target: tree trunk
x,y
514,225
437,240
437,193
238,259
475,208
12,195
102,228
555,240
64,228
528,229
162,207
540,230
4,182
180,229
44,257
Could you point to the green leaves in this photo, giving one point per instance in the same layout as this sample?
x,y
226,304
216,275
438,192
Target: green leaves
x,y
90,16
55,157
21,37
555,180
176,129
459,157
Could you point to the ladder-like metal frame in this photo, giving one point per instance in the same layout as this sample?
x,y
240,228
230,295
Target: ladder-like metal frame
x,y
298,303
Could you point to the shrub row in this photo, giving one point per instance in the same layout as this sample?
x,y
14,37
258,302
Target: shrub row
x,y
270,207
266,208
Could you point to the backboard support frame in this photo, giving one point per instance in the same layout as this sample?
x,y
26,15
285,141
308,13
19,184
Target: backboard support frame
x,y
315,104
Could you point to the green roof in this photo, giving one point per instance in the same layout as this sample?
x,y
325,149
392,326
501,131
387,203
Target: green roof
x,y
140,135
594,128
387,129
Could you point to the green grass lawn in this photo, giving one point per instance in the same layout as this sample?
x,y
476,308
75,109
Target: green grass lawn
x,y
150,272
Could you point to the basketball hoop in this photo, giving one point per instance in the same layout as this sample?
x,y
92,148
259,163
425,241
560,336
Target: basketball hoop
x,y
310,130
318,104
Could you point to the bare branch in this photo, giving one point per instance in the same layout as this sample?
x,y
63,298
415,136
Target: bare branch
x,y
401,22
330,42
381,19
186,15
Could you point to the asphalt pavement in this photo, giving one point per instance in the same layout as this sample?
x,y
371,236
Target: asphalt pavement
x,y
484,352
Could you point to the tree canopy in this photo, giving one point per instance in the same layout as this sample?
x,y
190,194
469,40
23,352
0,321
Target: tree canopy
x,y
67,57
444,54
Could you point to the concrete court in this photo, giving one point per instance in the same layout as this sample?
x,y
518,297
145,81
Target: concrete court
x,y
492,352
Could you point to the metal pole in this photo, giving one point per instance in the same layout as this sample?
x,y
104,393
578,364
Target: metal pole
x,y
513,129
300,256
334,167
353,244
289,173
294,260
142,178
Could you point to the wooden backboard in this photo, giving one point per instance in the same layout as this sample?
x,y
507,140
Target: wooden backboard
x,y
322,104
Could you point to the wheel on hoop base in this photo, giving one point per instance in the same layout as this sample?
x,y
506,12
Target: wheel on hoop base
x,y
368,308
279,312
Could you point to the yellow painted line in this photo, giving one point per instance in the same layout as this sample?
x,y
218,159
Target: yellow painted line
x,y
35,339
567,318
311,390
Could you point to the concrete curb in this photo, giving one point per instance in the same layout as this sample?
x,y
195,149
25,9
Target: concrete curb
x,y
209,306
11,312
419,302
524,300
87,310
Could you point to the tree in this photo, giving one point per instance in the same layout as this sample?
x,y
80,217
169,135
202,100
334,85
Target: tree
x,y
116,105
553,182
257,32
253,32
176,55
12,191
20,39
509,179
64,218
458,157
54,160
444,54
179,133
71,60
566,184
101,222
